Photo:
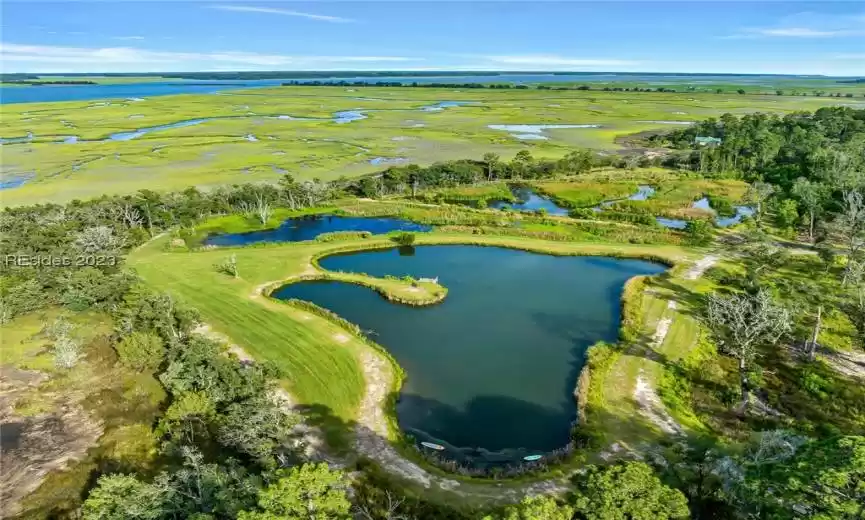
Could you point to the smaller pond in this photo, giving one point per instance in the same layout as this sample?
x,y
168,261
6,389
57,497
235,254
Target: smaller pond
x,y
441,105
16,181
307,228
528,200
703,204
347,116
534,131
643,193
378,161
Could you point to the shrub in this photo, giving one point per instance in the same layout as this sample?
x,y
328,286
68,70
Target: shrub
x,y
334,236
699,232
67,352
722,205
141,350
404,239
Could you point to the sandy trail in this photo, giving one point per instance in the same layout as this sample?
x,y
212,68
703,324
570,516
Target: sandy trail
x,y
700,267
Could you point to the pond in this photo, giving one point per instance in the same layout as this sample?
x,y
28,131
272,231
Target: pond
x,y
535,131
703,203
492,369
308,227
528,200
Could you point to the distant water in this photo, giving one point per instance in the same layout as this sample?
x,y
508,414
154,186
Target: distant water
x,y
528,200
307,228
141,91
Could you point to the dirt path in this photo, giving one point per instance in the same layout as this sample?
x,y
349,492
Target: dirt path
x,y
645,395
849,363
700,267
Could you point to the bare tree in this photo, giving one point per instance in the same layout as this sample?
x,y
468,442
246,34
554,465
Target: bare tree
x,y
131,216
850,225
744,323
390,509
99,239
263,210
757,194
67,352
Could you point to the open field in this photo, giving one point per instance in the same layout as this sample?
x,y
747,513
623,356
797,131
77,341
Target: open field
x,y
243,138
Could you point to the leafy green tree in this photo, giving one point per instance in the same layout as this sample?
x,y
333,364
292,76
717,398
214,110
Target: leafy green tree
x,y
536,508
576,162
404,238
630,490
811,195
124,497
823,480
141,351
700,232
188,420
491,160
310,492
258,427
787,214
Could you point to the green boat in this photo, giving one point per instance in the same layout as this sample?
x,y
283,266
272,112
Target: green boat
x,y
532,458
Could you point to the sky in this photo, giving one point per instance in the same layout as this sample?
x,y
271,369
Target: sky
x,y
198,35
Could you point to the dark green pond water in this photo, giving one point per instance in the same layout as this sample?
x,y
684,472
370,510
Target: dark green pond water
x,y
492,369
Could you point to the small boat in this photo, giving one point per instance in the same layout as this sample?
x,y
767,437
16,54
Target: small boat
x,y
532,458
432,445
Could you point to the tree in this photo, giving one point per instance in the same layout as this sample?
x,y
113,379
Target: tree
x,y
820,479
262,209
742,324
311,492
787,214
228,266
850,225
699,232
491,160
757,194
811,195
576,162
404,238
67,352
536,508
258,427
187,421
141,351
98,240
122,497
627,490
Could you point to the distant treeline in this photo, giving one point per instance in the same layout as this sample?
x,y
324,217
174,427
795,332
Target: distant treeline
x,y
37,83
520,86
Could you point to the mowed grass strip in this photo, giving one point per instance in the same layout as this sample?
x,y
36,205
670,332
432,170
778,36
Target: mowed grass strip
x,y
318,369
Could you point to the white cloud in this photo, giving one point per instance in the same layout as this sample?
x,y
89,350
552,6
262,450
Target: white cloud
x,y
807,25
281,12
129,37
797,32
543,61
46,58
